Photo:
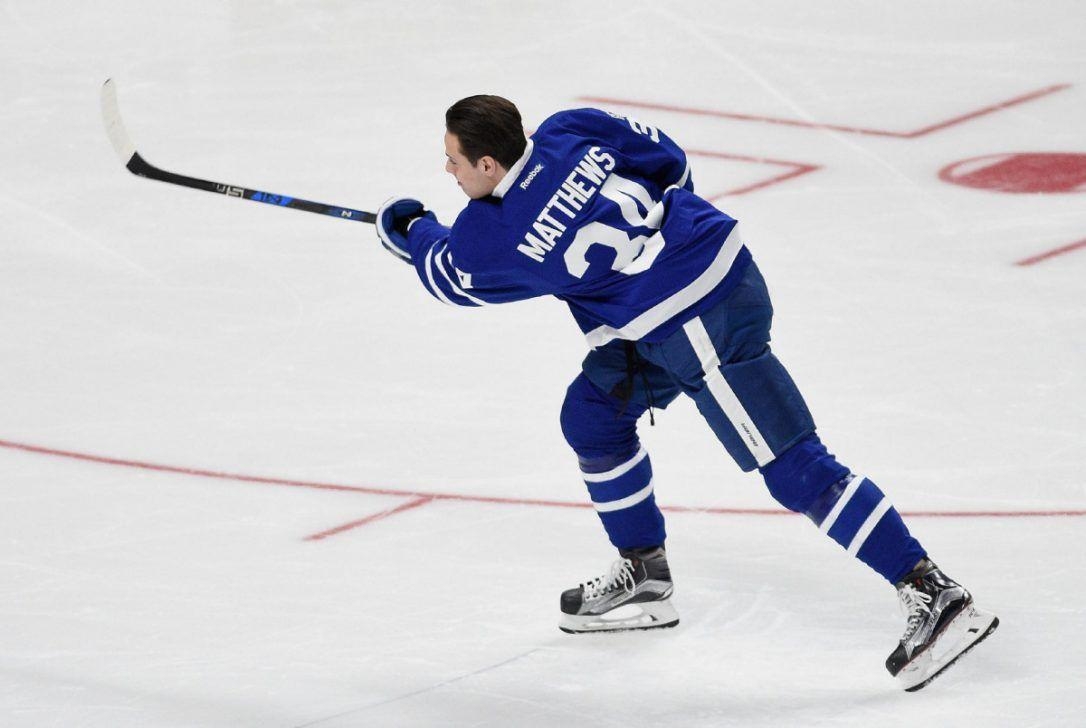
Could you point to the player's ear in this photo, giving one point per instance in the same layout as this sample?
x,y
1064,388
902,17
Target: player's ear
x,y
488,165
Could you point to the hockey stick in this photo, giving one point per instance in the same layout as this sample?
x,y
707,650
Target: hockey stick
x,y
137,165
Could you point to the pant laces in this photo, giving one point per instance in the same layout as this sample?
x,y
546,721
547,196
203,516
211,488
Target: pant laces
x,y
621,575
914,605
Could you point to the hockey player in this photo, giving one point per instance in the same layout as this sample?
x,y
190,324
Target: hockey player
x,y
599,211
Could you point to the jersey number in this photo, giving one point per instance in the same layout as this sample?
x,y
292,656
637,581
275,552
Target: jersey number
x,y
632,254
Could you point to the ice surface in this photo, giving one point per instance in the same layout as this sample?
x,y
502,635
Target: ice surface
x,y
278,353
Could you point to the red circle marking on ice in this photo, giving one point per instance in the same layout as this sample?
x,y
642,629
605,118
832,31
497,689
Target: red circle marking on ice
x,y
1047,172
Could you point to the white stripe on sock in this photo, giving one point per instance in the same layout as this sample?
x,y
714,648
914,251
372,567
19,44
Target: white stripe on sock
x,y
850,490
616,471
630,500
723,393
869,526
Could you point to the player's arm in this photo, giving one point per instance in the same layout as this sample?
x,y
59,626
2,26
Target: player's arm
x,y
414,235
656,153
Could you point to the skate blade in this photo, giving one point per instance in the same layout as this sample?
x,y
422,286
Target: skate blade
x,y
645,615
965,632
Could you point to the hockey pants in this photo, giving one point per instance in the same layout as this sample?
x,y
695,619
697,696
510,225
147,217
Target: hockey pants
x,y
723,361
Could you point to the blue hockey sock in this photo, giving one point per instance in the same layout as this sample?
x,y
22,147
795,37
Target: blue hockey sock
x,y
621,491
602,430
858,516
850,509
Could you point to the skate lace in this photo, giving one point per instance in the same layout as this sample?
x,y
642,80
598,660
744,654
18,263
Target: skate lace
x,y
914,605
620,576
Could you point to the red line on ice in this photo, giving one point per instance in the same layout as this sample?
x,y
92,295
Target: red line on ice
x,y
419,498
1052,253
990,109
405,506
795,169
834,127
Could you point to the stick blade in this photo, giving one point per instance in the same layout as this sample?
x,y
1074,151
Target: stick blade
x,y
111,116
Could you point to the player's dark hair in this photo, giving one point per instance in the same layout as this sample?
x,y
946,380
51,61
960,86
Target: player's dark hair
x,y
487,126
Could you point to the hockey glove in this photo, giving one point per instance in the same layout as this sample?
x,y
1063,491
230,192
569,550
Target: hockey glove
x,y
393,219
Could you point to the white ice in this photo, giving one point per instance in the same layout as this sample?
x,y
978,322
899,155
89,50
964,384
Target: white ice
x,y
147,323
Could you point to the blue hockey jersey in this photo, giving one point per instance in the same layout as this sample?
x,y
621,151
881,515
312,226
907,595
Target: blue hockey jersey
x,y
599,212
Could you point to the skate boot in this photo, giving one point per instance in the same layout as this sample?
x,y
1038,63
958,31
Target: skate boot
x,y
633,595
943,624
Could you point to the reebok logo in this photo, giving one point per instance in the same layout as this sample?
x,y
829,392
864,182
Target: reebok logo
x,y
531,175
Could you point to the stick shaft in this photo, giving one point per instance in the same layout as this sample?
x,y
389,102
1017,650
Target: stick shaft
x,y
137,165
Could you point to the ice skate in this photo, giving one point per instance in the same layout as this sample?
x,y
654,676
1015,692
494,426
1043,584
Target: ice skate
x,y
943,624
635,594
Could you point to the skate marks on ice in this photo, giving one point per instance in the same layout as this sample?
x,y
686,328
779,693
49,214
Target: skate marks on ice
x,y
351,715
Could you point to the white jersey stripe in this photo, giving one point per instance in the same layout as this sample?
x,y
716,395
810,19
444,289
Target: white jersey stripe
x,y
615,472
428,265
723,393
453,284
869,525
698,289
685,177
630,500
846,496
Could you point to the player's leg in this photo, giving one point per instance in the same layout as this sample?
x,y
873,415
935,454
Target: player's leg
x,y
724,362
847,507
614,465
599,420
858,516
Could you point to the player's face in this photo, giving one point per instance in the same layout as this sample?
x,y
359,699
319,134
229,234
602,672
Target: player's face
x,y
477,180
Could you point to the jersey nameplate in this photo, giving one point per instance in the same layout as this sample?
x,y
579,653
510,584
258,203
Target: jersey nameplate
x,y
578,187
